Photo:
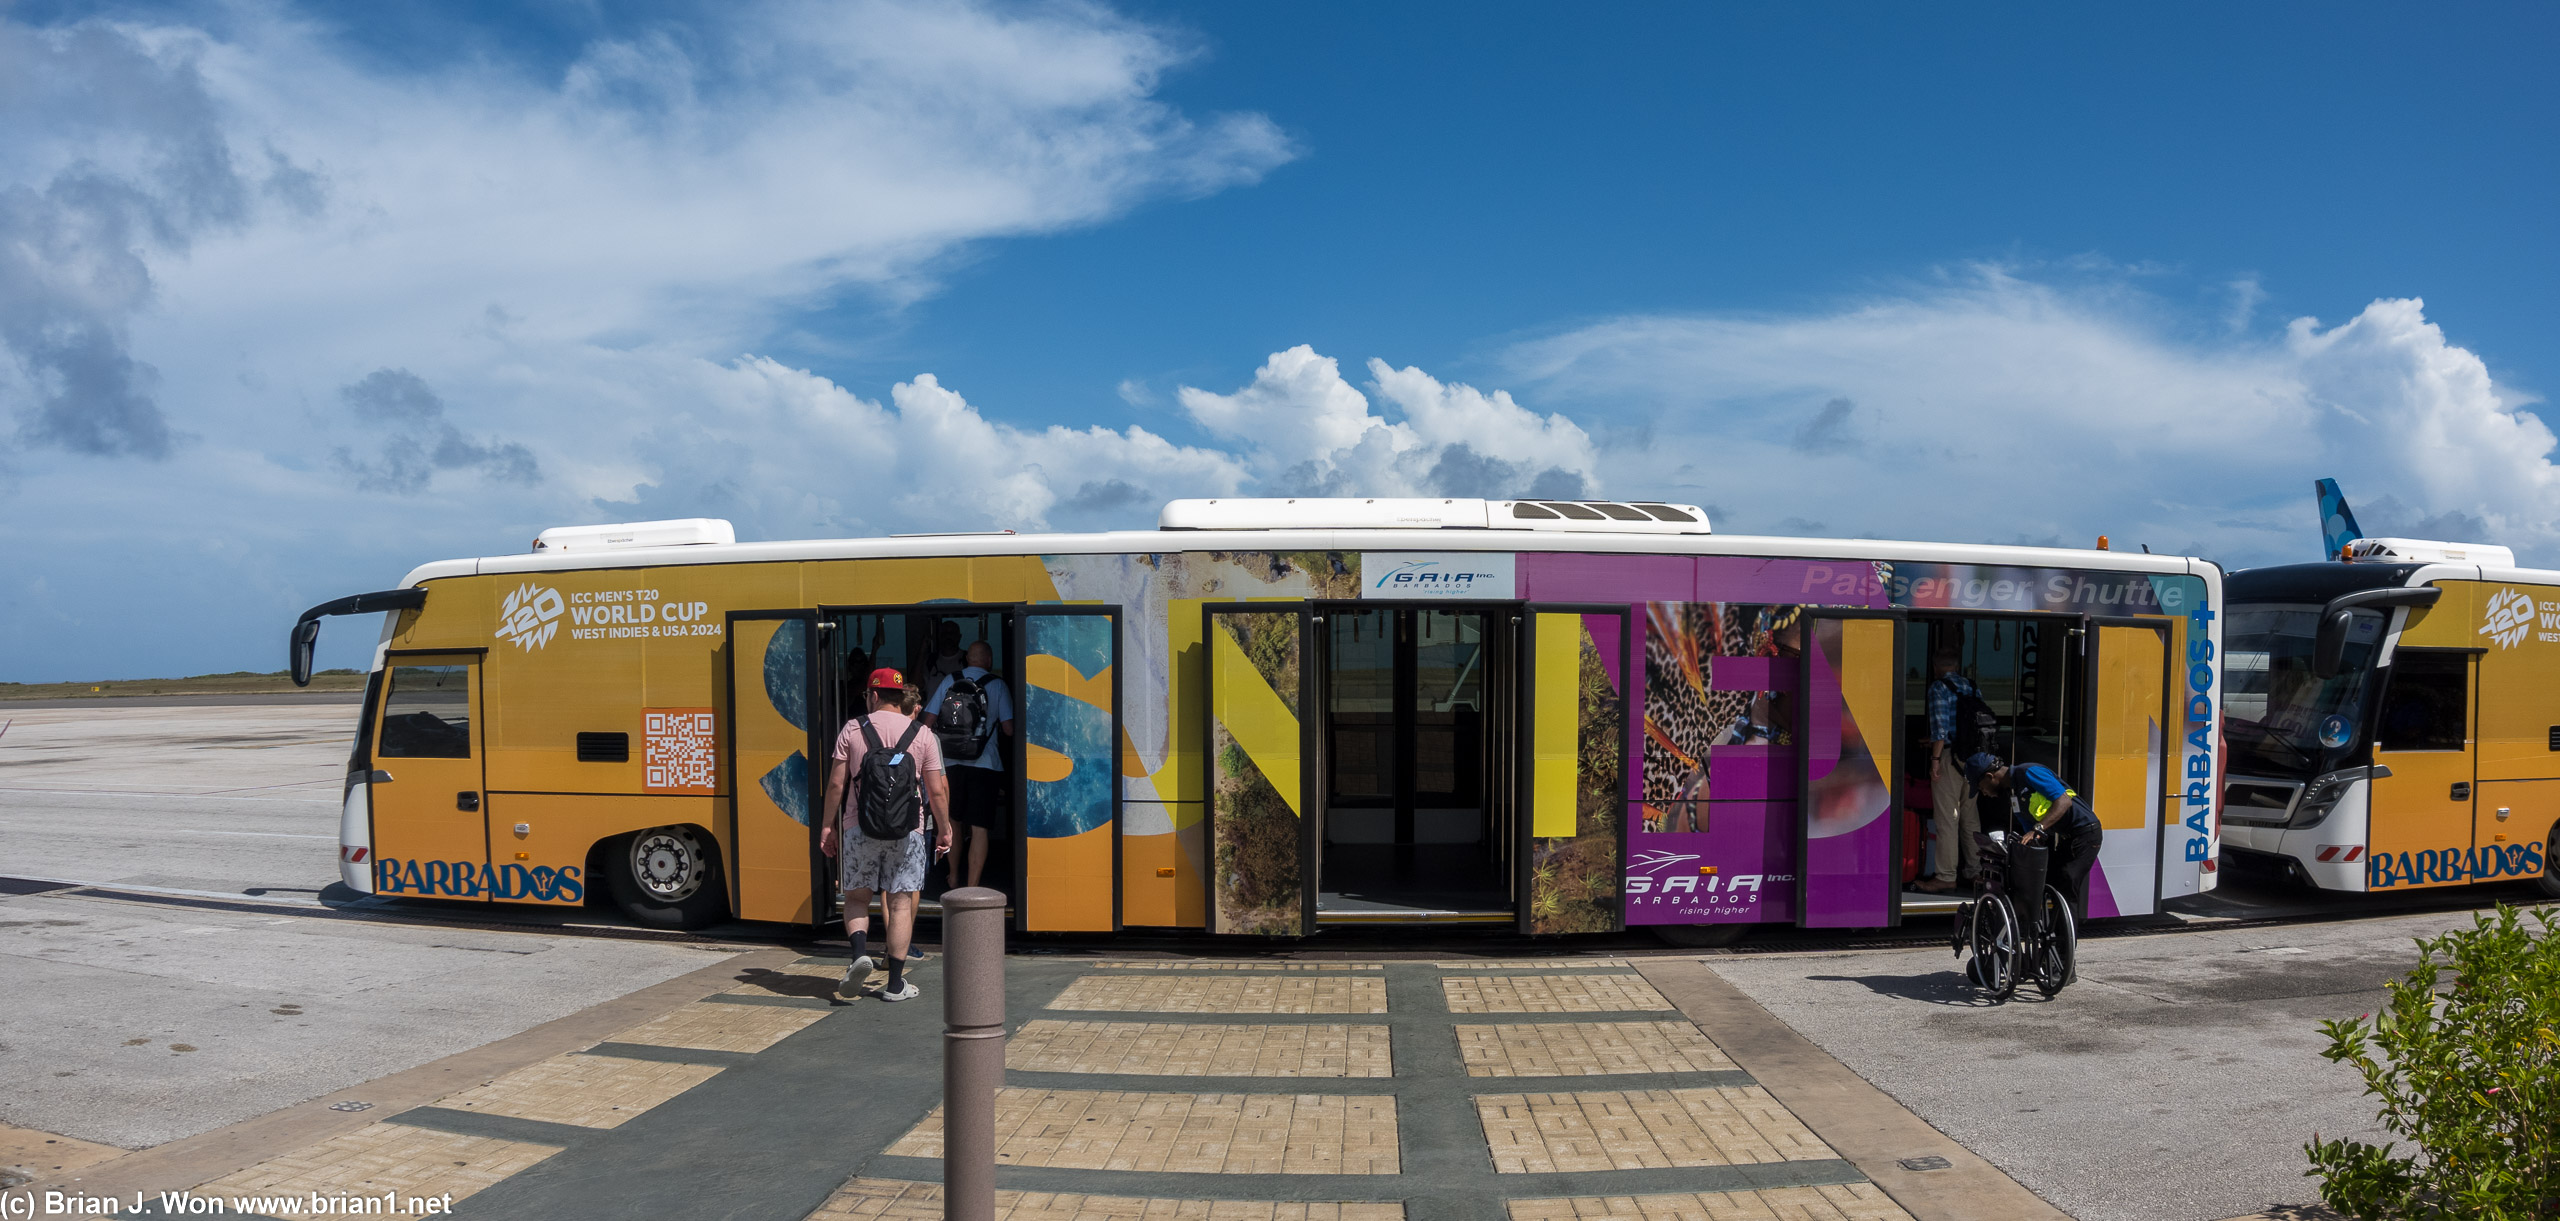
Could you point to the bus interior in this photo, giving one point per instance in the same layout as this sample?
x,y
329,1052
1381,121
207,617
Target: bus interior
x,y
925,644
2031,669
1416,701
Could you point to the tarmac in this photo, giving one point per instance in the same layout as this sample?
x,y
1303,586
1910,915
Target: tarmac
x,y
204,1013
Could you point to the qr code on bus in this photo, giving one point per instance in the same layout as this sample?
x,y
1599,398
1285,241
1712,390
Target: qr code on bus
x,y
680,754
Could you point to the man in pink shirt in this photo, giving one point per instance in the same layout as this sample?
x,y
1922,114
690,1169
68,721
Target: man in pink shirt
x,y
903,783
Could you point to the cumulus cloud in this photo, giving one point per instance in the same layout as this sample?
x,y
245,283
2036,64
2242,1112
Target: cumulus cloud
x,y
421,440
1993,406
180,208
786,452
115,151
216,235
1831,430
1305,430
789,453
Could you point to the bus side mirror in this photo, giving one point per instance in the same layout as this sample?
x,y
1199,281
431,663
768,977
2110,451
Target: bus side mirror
x,y
2329,645
306,641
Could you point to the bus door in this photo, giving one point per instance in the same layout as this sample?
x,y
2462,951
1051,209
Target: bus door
x,y
2127,778
1263,790
1570,843
1847,736
2422,812
429,837
1066,802
777,767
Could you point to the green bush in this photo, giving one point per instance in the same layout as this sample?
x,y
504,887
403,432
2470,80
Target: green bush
x,y
2470,1075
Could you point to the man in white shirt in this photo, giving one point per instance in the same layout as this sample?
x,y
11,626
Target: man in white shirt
x,y
977,780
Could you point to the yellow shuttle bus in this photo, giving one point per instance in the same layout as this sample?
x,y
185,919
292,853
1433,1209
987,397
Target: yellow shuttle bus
x,y
1271,716
2394,720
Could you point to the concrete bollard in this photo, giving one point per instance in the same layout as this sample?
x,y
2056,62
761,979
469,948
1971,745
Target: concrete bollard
x,y
972,1049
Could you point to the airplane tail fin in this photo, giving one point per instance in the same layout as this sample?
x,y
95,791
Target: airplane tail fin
x,y
2337,522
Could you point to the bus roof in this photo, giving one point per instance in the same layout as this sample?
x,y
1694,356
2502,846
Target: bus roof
x,y
2319,582
1139,542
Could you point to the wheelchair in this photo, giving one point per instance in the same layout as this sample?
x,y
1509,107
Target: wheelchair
x,y
2014,939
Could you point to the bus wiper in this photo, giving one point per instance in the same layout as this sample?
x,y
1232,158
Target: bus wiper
x,y
2268,735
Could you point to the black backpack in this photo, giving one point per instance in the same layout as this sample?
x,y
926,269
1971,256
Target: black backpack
x,y
890,800
961,722
1977,727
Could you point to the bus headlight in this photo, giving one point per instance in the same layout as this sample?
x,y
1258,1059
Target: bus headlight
x,y
2321,796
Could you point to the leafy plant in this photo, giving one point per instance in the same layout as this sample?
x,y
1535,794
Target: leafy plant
x,y
2469,1074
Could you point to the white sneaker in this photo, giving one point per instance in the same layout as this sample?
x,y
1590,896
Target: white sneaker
x,y
906,991
857,976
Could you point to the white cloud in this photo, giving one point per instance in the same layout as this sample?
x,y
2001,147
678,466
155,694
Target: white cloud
x,y
1993,407
195,209
218,244
790,454
1308,431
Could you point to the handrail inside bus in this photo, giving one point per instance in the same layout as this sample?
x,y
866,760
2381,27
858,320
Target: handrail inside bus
x,y
306,631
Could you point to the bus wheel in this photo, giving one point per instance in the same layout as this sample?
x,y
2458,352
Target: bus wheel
x,y
1700,936
668,877
2550,879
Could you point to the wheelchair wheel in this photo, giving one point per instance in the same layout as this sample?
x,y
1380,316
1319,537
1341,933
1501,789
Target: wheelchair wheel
x,y
1995,946
2057,960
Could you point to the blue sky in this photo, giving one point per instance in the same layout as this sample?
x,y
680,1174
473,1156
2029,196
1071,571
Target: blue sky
x,y
296,297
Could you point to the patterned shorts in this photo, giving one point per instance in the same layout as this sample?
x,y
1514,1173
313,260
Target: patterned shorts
x,y
888,866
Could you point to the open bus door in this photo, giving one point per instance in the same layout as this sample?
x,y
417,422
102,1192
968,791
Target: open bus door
x,y
2127,777
777,766
1066,808
1263,788
429,835
1848,737
1571,830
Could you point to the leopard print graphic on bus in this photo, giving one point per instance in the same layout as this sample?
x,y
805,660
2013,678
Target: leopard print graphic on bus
x,y
1685,714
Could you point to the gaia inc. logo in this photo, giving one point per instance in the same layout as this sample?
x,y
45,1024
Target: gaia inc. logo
x,y
2507,618
1428,574
529,616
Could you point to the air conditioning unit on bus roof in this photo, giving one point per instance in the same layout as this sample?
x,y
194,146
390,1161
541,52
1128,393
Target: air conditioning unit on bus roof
x,y
680,532
2423,551
1419,513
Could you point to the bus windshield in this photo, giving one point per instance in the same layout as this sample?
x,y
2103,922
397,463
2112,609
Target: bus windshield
x,y
2282,719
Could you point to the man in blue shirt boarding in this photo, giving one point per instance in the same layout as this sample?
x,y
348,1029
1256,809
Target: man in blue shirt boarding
x,y
2044,810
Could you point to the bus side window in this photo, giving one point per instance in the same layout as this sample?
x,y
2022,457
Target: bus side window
x,y
2428,704
427,714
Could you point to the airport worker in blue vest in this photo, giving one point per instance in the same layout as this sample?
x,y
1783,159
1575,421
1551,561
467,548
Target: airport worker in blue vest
x,y
2045,811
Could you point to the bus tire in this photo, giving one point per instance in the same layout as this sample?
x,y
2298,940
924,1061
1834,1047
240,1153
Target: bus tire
x,y
2550,879
1701,936
668,877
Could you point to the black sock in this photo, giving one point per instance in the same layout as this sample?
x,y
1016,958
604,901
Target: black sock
x,y
861,938
897,972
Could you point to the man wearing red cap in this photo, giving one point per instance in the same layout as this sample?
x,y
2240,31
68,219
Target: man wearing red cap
x,y
910,761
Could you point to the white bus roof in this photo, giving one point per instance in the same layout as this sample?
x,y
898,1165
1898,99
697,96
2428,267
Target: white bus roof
x,y
1415,513
1651,539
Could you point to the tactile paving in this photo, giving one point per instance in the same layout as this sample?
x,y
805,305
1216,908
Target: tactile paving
x,y
588,1091
1550,993
1183,1133
1579,1049
1241,994
1198,1050
898,1200
719,1026
382,1158
1179,964
1836,1202
1638,1129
